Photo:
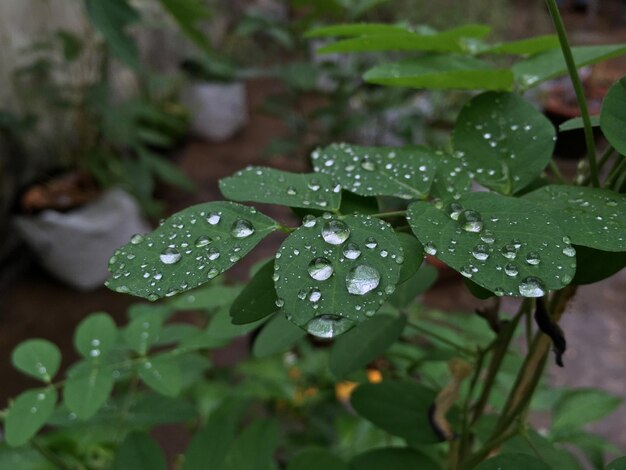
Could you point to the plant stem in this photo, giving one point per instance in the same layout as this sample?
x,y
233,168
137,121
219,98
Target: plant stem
x,y
578,89
555,170
389,214
50,456
441,339
616,171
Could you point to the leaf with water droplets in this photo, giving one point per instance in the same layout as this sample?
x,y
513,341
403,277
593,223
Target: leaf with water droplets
x,y
452,177
378,171
441,71
591,217
27,414
188,249
270,186
87,388
162,374
364,343
505,141
536,69
258,298
143,332
38,358
276,337
413,253
95,335
613,116
337,272
506,245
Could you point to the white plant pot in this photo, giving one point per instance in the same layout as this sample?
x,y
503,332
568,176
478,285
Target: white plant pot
x,y
218,110
76,246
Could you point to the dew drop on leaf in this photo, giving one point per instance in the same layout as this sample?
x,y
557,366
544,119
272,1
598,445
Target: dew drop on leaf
x,y
170,256
202,241
362,279
569,251
480,252
430,248
213,218
136,239
371,242
533,258
328,326
509,251
335,232
352,251
532,287
471,221
308,221
488,237
241,228
511,270
320,269
454,210
315,295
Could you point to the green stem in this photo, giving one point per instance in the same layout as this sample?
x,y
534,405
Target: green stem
x,y
50,456
605,156
442,339
382,215
555,170
616,171
578,89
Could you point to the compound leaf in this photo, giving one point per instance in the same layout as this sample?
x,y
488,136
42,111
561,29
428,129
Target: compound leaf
x,y
95,335
277,336
27,414
162,374
258,299
87,388
38,358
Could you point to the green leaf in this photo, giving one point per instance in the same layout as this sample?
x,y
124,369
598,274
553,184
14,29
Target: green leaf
x,y
595,265
111,18
613,116
413,252
253,448
267,185
209,446
209,297
550,64
162,374
360,346
378,171
38,358
336,272
87,388
24,458
445,41
506,245
441,72
187,14
579,407
139,452
504,139
513,461
316,458
188,249
258,299
27,415
577,123
95,335
617,464
354,29
533,444
400,408
524,46
222,328
143,332
452,177
277,336
418,284
590,217
388,458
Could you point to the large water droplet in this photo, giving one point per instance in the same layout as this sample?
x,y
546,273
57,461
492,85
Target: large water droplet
x,y
533,258
320,269
511,270
362,279
480,252
488,237
454,210
315,295
569,251
309,221
335,232
430,248
532,287
328,326
202,241
352,251
241,228
136,239
509,251
471,221
368,165
213,254
170,256
214,218
371,242
291,191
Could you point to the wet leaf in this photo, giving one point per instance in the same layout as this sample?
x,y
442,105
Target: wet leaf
x,y
143,332
613,116
577,123
162,374
364,343
550,64
332,273
188,249
594,265
276,337
441,72
505,141
267,185
419,283
452,177
590,217
27,414
378,171
258,298
506,245
413,252
38,358
95,335
139,452
87,388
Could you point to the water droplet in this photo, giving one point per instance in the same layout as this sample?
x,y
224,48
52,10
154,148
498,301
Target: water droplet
x,y
320,269
467,271
214,218
362,279
454,210
328,326
480,252
136,239
309,221
202,241
384,253
430,248
241,228
279,303
368,165
471,221
302,294
487,237
315,295
509,251
335,232
569,251
532,287
533,258
567,240
314,185
611,203
213,254
511,270
291,191
352,251
153,297
371,242
212,273
170,256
